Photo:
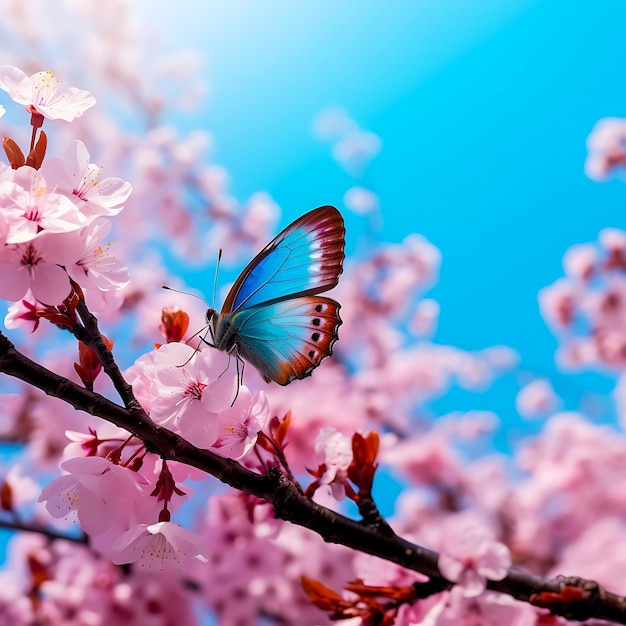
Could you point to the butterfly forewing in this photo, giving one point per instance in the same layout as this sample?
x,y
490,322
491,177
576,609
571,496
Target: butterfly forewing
x,y
304,259
287,339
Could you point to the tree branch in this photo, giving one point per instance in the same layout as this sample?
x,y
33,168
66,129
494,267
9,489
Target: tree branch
x,y
43,530
291,505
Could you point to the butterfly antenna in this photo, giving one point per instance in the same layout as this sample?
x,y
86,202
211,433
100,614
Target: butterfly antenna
x,y
186,293
202,339
217,271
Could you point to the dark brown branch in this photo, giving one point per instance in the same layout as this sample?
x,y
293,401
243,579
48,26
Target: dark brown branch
x,y
372,517
289,504
91,336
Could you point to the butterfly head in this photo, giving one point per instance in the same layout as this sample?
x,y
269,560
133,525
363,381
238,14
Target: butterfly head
x,y
223,333
211,316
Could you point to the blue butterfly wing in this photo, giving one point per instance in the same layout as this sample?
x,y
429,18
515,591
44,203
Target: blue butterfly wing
x,y
287,339
304,259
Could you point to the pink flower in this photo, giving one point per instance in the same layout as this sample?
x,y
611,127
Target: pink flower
x,y
38,93
22,314
238,426
425,317
162,546
96,268
361,200
470,557
355,150
490,609
537,398
24,489
35,265
29,207
607,147
191,387
558,303
15,607
580,261
333,123
99,491
80,181
334,452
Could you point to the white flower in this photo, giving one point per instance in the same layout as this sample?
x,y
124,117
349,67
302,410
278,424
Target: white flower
x,y
38,93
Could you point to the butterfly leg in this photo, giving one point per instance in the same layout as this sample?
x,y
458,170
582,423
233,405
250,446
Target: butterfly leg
x,y
203,339
238,361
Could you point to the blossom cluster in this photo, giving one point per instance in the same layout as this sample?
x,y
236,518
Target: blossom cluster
x,y
53,216
586,308
53,213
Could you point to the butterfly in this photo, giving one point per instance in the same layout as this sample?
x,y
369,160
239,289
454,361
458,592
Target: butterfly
x,y
273,316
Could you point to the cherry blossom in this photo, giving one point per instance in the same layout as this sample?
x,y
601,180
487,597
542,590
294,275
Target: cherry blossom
x,y
29,207
15,607
81,181
470,557
93,488
2,110
38,93
607,148
333,123
23,487
360,200
537,398
97,268
490,609
334,452
190,388
238,426
159,546
35,265
353,148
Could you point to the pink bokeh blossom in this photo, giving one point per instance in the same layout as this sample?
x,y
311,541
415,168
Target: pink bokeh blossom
x,y
606,147
537,398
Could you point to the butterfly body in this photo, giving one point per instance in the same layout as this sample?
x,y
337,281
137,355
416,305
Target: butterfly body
x,y
273,316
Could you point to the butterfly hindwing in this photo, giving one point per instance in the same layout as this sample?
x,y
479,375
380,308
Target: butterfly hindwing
x,y
304,259
287,339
